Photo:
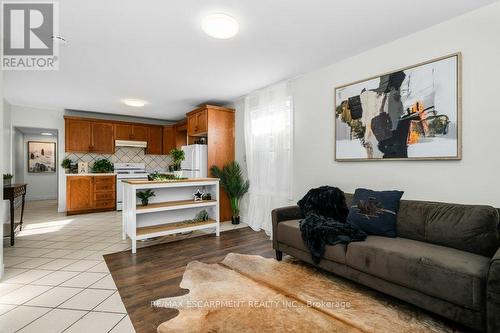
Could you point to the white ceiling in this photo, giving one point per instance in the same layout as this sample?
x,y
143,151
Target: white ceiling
x,y
155,50
36,130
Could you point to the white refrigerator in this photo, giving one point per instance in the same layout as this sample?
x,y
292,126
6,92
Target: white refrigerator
x,y
195,164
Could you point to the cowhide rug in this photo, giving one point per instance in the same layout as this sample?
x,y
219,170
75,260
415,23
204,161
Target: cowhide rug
x,y
246,293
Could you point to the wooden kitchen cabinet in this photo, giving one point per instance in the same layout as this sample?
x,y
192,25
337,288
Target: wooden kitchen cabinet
x,y
181,134
125,131
79,193
197,122
102,138
87,194
155,140
169,134
140,132
84,135
78,135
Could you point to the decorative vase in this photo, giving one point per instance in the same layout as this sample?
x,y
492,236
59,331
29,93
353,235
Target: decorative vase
x,y
235,220
145,202
178,173
7,182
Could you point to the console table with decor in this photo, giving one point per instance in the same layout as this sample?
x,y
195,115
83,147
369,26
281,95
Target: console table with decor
x,y
11,192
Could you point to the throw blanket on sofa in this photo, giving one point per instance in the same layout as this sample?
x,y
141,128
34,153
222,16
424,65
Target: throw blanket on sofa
x,y
324,224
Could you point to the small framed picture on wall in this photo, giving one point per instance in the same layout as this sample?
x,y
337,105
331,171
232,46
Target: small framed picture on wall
x,y
41,157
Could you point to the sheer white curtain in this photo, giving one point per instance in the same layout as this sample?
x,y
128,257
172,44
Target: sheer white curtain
x,y
268,141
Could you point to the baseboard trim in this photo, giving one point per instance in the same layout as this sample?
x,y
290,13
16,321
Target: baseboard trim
x,y
41,198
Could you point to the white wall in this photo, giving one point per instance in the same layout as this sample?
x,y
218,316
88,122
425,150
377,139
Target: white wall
x,y
18,156
2,156
474,179
42,186
42,118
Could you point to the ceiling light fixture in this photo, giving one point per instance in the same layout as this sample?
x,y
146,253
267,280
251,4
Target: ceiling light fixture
x,y
135,102
221,26
46,133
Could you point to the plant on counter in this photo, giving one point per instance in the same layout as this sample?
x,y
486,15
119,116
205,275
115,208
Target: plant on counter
x,y
177,156
66,164
164,177
7,179
102,166
231,180
145,195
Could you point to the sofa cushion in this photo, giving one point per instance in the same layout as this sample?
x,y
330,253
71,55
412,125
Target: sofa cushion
x,y
375,212
289,233
471,228
456,276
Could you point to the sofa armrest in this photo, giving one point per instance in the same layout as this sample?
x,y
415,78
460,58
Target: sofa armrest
x,y
493,295
283,214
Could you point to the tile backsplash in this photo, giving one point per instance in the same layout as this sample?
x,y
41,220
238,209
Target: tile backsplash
x,y
125,155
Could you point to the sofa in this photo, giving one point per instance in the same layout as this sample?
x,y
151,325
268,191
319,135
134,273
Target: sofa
x,y
445,259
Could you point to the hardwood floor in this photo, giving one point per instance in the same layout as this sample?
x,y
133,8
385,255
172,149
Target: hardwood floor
x,y
155,272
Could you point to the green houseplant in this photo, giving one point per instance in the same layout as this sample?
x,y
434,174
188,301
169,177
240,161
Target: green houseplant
x,y
66,164
7,179
231,180
177,156
102,166
145,195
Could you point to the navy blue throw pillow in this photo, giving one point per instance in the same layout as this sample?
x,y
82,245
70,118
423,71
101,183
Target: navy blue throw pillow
x,y
375,212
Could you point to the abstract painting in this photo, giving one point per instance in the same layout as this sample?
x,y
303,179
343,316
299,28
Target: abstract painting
x,y
41,157
410,114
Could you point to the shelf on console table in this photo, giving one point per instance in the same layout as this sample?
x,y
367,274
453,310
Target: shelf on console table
x,y
168,215
172,205
176,227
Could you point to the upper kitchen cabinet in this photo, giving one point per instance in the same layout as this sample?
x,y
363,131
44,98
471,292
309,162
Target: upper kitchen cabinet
x,y
168,138
140,132
124,131
86,135
155,140
102,138
197,122
78,135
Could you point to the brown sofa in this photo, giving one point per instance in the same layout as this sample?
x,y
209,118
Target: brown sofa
x,y
446,259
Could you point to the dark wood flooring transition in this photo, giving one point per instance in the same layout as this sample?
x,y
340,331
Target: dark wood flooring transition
x,y
156,272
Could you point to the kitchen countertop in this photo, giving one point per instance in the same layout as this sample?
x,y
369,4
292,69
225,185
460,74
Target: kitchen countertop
x,y
151,182
91,174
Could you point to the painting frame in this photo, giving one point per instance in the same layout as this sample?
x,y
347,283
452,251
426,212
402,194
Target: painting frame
x,y
458,87
53,160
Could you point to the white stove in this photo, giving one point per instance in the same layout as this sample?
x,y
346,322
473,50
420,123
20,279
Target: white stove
x,y
127,171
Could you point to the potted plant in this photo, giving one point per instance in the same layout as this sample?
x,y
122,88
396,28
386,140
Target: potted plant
x,y
231,180
145,195
66,165
177,156
102,166
7,179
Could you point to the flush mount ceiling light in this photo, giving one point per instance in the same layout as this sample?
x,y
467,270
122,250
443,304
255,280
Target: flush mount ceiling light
x,y
46,133
221,26
135,102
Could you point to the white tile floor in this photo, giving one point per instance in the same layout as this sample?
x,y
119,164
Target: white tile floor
x,y
55,277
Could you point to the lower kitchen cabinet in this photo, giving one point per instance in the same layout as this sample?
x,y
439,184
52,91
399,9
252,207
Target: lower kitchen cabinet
x,y
89,193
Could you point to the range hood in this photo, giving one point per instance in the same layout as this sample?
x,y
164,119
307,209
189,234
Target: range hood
x,y
129,143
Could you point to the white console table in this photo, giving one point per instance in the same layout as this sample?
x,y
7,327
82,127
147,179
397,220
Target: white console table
x,y
170,208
